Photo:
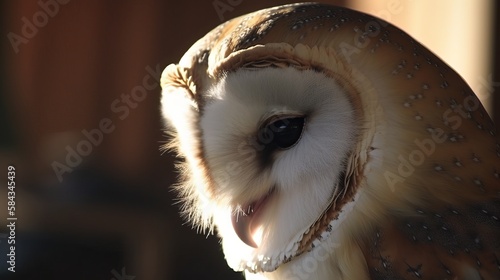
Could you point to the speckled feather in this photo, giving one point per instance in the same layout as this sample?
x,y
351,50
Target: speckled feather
x,y
428,159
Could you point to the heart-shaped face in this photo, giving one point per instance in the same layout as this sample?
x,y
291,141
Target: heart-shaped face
x,y
323,143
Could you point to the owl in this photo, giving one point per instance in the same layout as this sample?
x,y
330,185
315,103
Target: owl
x,y
319,142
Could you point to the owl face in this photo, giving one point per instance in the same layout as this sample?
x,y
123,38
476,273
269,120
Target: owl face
x,y
276,143
267,134
309,126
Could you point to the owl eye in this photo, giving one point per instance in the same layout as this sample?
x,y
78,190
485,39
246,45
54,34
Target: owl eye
x,y
283,133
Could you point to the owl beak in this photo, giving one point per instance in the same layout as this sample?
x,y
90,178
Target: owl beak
x,y
246,225
242,227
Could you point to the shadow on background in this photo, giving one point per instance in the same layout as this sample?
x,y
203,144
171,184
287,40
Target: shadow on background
x,y
80,121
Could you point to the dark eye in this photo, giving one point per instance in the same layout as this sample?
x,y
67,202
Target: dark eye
x,y
283,133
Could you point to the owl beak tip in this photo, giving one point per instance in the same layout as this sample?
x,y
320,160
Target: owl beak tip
x,y
242,228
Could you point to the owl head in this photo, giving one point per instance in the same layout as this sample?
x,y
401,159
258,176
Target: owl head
x,y
309,125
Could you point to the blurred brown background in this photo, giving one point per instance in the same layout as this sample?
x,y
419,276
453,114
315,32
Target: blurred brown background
x,y
72,68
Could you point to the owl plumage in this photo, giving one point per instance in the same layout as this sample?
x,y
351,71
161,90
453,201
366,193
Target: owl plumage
x,y
324,143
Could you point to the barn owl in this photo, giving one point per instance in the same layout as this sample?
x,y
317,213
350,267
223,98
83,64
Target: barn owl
x,y
323,143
